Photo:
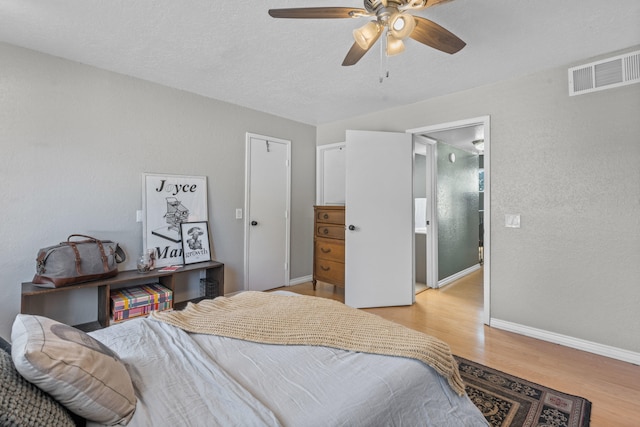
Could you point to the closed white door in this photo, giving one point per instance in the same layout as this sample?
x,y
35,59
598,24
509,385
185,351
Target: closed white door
x,y
379,240
267,205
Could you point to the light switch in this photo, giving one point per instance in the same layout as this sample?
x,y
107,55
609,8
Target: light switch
x,y
512,220
138,216
238,213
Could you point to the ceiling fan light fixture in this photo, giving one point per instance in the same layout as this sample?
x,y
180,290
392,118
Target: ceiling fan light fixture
x,y
395,45
366,35
401,25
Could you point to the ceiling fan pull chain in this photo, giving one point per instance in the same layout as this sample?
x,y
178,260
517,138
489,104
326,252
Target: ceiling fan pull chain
x,y
384,69
381,71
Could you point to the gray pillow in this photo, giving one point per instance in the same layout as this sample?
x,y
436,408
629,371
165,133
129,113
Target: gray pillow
x,y
74,368
23,404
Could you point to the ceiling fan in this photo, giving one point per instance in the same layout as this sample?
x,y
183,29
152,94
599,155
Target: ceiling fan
x,y
390,15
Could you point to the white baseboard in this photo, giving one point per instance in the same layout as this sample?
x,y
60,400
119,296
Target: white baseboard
x,y
458,275
296,281
300,280
567,341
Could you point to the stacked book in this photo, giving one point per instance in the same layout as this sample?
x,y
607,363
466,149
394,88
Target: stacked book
x,y
127,303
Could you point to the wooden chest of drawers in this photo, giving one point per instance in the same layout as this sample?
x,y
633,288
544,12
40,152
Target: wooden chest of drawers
x,y
328,250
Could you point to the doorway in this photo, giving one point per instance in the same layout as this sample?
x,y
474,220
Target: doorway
x,y
422,134
462,132
267,207
331,188
422,156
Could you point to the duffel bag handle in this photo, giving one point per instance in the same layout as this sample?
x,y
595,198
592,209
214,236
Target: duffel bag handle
x,y
93,239
120,254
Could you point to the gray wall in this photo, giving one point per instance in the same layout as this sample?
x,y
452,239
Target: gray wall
x,y
75,141
569,166
457,206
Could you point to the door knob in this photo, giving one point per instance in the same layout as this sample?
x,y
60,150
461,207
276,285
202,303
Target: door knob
x,y
254,223
352,227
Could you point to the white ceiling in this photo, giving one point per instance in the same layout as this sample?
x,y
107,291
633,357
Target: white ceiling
x,y
235,52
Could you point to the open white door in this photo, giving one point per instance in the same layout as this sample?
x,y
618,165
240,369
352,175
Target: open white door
x,y
379,239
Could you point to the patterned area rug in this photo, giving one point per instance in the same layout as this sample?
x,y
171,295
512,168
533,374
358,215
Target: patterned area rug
x,y
508,401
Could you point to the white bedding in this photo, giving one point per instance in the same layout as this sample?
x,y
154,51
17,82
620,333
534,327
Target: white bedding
x,y
184,379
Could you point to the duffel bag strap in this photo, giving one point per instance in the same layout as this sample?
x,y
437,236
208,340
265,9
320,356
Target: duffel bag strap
x,y
120,256
77,254
105,260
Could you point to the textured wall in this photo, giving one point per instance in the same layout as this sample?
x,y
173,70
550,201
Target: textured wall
x,y
569,167
457,205
75,141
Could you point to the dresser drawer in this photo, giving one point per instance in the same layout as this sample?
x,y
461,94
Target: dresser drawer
x,y
330,216
330,249
330,272
330,231
328,245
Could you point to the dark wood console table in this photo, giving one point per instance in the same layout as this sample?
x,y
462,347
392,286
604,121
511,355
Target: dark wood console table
x,y
213,271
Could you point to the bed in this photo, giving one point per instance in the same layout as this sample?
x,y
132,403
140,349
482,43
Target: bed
x,y
199,368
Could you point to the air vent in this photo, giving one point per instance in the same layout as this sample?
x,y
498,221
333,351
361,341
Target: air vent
x,y
605,74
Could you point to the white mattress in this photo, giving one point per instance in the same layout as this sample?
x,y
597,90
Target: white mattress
x,y
184,379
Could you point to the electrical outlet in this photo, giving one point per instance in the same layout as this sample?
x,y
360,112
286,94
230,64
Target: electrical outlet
x,y
238,213
512,220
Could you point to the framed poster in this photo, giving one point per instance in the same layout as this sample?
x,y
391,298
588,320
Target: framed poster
x,y
168,201
195,242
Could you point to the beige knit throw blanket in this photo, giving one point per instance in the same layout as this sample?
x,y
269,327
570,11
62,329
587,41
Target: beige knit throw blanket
x,y
305,320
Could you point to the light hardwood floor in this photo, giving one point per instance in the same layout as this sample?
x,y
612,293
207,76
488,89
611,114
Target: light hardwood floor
x,y
454,314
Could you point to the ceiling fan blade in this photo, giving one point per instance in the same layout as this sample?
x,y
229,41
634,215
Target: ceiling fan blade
x,y
435,2
318,12
432,34
354,55
356,52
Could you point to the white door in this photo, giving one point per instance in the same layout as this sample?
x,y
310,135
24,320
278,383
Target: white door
x,y
379,239
330,174
267,213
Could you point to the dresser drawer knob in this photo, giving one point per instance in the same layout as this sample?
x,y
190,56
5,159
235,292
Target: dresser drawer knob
x,y
323,268
325,230
326,216
325,251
